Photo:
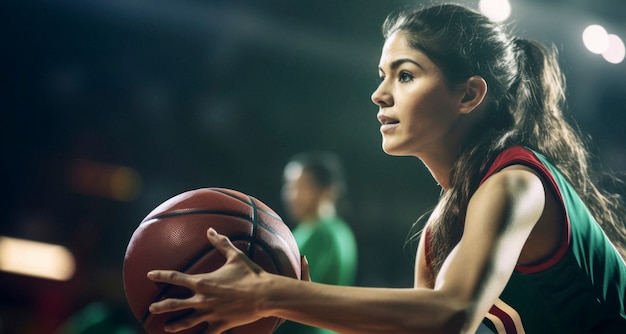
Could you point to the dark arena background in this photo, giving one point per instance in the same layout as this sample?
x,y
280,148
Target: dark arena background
x,y
109,107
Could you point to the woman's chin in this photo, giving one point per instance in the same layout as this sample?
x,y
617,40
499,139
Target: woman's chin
x,y
393,151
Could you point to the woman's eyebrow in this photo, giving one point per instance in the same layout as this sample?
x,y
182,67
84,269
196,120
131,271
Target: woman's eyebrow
x,y
396,63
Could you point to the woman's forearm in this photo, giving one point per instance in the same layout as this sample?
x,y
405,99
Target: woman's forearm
x,y
360,309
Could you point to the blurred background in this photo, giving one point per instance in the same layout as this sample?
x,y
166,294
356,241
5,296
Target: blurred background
x,y
111,107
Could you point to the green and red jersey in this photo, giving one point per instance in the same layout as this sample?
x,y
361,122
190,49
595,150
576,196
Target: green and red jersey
x,y
581,288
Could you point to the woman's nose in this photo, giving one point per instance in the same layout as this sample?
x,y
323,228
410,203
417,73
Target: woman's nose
x,y
381,97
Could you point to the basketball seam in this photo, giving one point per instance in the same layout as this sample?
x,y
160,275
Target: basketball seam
x,y
230,214
273,214
182,212
255,224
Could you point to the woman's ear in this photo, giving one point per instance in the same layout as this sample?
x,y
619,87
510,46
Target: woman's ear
x,y
475,92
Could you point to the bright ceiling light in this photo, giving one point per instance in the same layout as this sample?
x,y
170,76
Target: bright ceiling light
x,y
616,51
38,259
596,39
495,10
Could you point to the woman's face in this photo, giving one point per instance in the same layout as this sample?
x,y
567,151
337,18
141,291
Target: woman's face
x,y
417,108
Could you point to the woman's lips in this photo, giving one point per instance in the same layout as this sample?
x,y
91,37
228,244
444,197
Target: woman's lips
x,y
386,123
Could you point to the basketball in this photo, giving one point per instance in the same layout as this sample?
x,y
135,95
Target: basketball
x,y
173,237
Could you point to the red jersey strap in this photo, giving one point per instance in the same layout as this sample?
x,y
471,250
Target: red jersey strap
x,y
519,155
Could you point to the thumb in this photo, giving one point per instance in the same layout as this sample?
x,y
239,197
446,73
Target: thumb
x,y
305,274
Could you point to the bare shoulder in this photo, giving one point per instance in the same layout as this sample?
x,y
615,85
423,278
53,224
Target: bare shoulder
x,y
506,205
530,204
513,185
516,175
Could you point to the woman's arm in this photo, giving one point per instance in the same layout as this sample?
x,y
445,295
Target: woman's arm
x,y
500,218
240,292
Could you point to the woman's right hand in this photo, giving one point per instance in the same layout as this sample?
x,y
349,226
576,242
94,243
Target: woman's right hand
x,y
225,298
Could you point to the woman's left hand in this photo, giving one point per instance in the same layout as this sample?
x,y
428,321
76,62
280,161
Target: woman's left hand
x,y
225,298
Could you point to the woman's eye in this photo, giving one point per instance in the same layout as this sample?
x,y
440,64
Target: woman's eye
x,y
405,77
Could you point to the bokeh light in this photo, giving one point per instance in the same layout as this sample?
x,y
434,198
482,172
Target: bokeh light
x,y
495,10
615,51
115,182
596,39
37,259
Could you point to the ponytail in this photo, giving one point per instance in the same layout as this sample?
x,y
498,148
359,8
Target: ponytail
x,y
539,93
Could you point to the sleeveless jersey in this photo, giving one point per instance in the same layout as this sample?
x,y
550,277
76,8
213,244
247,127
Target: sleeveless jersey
x,y
581,288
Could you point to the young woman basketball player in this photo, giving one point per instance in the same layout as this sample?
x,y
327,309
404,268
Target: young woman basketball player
x,y
514,244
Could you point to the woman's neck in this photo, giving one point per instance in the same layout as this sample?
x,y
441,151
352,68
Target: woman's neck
x,y
439,166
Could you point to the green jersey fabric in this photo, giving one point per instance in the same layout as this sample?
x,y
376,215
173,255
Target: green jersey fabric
x,y
581,288
331,250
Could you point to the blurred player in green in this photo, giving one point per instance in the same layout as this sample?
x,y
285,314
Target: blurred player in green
x,y
313,186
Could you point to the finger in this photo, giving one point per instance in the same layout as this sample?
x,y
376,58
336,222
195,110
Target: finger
x,y
173,304
222,244
171,277
305,274
230,252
